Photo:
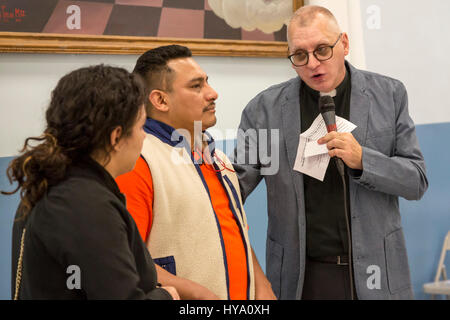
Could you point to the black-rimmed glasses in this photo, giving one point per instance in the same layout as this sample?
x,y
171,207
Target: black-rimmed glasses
x,y
322,53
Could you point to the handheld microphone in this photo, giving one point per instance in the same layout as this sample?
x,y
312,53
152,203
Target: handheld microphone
x,y
328,111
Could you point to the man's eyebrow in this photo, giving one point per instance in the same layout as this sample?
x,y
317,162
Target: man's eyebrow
x,y
204,78
322,43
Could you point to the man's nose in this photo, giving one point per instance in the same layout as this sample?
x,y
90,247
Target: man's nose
x,y
312,61
211,94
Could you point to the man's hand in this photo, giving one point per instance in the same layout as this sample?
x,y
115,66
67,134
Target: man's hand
x,y
344,145
173,292
187,289
190,290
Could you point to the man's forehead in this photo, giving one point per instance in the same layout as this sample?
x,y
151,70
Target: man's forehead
x,y
319,32
186,69
309,41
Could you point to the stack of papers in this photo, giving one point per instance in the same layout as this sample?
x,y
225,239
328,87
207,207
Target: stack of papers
x,y
312,158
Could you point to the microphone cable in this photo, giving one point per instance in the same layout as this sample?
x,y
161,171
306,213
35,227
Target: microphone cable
x,y
341,168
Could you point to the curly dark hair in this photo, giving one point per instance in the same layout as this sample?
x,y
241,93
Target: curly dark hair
x,y
86,106
152,67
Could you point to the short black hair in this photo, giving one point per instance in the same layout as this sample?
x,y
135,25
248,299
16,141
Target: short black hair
x,y
152,67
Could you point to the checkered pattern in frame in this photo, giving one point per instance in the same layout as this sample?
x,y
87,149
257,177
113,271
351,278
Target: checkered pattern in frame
x,y
192,19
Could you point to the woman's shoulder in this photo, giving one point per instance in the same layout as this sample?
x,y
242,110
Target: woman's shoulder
x,y
79,187
77,200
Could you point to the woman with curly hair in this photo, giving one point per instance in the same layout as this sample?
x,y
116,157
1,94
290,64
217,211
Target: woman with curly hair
x,y
73,237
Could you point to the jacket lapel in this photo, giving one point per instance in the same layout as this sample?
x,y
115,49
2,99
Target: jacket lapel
x,y
359,115
359,105
290,115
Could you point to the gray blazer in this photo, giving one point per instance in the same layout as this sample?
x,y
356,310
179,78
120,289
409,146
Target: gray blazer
x,y
393,166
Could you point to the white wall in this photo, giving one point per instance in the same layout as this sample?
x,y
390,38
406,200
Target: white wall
x,y
26,81
409,40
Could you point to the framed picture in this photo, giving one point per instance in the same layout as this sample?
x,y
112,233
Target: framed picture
x,y
129,27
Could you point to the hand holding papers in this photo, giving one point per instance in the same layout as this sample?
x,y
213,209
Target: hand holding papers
x,y
313,159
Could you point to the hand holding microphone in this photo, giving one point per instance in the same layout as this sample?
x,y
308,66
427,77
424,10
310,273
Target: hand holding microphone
x,y
341,145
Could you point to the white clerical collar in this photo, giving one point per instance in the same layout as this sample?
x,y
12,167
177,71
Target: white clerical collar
x,y
331,93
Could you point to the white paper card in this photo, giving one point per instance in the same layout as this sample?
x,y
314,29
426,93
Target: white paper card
x,y
313,159
314,149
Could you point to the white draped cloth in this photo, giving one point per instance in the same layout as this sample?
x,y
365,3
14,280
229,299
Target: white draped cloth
x,y
266,15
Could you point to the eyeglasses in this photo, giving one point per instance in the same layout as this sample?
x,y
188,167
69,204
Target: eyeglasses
x,y
322,53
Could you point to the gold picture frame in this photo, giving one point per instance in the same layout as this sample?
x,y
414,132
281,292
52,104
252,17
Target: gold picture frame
x,y
22,42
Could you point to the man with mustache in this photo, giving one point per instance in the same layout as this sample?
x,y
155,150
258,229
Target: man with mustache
x,y
183,194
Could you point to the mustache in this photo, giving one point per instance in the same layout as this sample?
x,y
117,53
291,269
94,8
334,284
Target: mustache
x,y
210,106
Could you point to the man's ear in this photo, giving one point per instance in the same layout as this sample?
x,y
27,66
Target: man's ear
x,y
159,100
346,43
288,54
116,134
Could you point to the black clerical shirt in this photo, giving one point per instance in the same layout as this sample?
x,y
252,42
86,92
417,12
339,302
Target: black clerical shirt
x,y
326,232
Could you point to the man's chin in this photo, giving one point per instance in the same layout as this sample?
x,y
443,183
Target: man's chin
x,y
208,124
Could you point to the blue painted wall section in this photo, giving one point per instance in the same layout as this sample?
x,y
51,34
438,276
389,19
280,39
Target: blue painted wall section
x,y
8,206
425,222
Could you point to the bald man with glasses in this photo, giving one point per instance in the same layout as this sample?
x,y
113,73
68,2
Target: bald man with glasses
x,y
317,246
322,53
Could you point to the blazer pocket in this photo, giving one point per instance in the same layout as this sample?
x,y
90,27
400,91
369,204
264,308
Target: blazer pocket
x,y
396,262
167,263
275,264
